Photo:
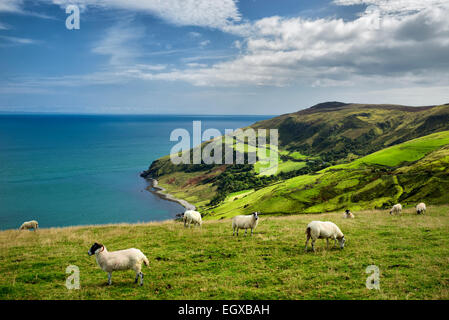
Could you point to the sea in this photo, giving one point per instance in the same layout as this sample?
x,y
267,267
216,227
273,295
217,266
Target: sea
x,y
68,170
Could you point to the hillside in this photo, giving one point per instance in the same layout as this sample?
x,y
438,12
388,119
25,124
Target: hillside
x,y
333,130
409,173
332,156
212,264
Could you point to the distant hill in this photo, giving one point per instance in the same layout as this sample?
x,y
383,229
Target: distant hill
x,y
332,156
333,130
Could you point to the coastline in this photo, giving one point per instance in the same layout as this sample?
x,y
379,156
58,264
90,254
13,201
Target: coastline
x,y
161,193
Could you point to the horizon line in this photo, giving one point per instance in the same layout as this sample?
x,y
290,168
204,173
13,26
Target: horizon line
x,y
4,113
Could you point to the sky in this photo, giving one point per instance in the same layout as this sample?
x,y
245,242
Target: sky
x,y
221,56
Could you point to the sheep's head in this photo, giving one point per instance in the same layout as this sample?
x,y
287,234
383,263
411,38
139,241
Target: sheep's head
x,y
256,215
96,247
342,242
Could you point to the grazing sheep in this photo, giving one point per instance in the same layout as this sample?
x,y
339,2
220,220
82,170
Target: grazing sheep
x,y
421,208
245,222
29,225
397,209
119,260
324,230
191,216
348,214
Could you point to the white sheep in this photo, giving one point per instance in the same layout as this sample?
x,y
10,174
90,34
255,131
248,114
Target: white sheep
x,y
29,225
421,208
348,215
119,260
324,230
191,216
245,222
397,209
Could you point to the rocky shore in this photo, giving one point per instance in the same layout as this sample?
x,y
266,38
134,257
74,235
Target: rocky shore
x,y
161,193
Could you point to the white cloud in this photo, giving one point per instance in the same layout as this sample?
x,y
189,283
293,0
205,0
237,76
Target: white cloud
x,y
121,43
3,26
406,44
281,51
11,6
394,6
18,41
196,65
17,7
204,43
203,13
194,34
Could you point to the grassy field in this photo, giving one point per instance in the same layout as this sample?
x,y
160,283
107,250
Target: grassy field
x,y
411,252
409,151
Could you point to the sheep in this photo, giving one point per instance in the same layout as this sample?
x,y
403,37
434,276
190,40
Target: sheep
x,y
29,225
191,216
397,208
421,208
119,260
245,222
348,214
324,230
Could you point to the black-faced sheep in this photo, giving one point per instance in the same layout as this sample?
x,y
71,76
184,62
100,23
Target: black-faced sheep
x,y
421,208
348,215
119,260
396,209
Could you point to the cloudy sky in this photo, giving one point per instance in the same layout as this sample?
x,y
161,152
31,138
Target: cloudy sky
x,y
221,56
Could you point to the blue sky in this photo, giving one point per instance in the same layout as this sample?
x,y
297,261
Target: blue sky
x,y
221,56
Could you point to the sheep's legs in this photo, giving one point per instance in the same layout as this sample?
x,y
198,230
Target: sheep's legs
x,y
313,245
246,230
327,243
139,274
109,278
335,243
307,242
251,231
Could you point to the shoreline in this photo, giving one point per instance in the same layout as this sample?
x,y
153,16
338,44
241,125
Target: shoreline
x,y
161,193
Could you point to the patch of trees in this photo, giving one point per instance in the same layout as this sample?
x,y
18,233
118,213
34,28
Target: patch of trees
x,y
243,177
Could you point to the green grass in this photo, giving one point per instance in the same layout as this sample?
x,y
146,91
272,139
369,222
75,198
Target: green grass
x,y
409,151
264,168
239,194
370,182
411,252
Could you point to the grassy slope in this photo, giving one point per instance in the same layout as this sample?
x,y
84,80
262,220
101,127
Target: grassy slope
x,y
356,128
409,151
366,183
346,132
410,251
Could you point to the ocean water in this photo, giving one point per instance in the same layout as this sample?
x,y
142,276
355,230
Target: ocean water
x,y
66,170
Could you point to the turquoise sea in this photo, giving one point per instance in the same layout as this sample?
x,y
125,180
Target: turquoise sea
x,y
65,170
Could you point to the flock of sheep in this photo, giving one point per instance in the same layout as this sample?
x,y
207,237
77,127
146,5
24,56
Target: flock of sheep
x,y
132,259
